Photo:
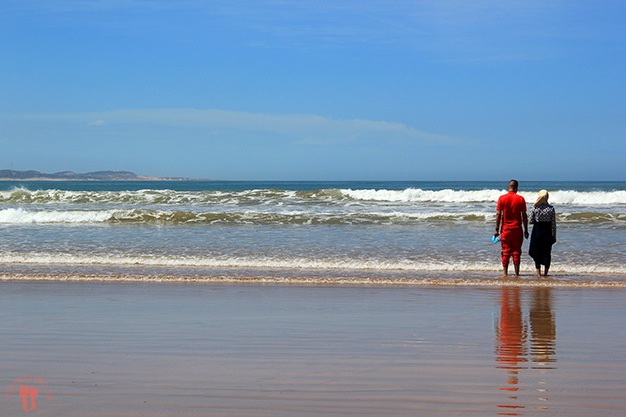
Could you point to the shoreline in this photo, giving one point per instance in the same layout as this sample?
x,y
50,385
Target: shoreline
x,y
451,280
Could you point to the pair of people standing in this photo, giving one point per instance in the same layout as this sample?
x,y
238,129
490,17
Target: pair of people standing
x,y
511,217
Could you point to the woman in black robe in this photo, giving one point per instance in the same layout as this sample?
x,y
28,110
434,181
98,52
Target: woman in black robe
x,y
543,219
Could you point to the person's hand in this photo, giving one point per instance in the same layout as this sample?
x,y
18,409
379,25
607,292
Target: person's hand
x,y
496,234
526,234
553,240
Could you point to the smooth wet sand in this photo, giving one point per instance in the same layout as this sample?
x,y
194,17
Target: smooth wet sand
x,y
175,349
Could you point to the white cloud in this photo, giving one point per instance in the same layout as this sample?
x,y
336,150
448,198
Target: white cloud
x,y
298,129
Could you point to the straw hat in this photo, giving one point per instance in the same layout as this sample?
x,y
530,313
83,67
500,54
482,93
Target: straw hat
x,y
543,198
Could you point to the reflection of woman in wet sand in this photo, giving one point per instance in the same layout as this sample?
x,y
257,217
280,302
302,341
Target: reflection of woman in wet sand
x,y
542,339
543,219
543,327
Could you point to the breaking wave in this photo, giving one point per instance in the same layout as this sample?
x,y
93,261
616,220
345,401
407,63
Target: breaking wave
x,y
416,195
16,216
22,196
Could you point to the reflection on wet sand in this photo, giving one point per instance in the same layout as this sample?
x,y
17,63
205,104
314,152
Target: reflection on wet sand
x,y
512,354
543,328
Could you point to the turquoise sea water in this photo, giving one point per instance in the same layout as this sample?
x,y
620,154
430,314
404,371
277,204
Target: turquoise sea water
x,y
343,232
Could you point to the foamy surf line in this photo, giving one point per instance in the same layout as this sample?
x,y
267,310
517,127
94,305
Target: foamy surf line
x,y
304,264
20,216
553,282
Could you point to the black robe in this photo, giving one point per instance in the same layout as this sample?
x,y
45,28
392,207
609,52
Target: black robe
x,y
541,243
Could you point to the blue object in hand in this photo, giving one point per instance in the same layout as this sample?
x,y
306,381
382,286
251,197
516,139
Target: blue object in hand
x,y
495,239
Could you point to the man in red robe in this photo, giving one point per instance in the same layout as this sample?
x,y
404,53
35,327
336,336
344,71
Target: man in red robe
x,y
511,216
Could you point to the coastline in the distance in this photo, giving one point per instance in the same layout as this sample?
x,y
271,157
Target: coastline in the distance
x,y
10,175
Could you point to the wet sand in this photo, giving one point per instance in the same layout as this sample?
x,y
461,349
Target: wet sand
x,y
229,349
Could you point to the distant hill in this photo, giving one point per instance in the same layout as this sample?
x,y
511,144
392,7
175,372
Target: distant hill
x,y
8,174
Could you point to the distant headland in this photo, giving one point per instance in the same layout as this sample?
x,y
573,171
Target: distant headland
x,y
9,175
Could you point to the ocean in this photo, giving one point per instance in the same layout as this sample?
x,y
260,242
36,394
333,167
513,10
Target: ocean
x,y
306,299
354,232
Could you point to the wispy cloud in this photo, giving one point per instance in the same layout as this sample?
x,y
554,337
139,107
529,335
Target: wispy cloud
x,y
294,129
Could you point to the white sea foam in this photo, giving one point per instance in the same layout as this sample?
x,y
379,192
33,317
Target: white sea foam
x,y
273,215
577,198
294,263
21,216
290,280
282,197
416,195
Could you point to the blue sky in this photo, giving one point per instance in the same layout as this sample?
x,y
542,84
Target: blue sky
x,y
310,90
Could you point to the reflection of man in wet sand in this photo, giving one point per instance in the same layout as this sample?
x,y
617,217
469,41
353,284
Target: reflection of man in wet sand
x,y
510,335
511,216
25,391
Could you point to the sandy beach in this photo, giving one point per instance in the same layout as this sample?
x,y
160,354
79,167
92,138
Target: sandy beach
x,y
171,349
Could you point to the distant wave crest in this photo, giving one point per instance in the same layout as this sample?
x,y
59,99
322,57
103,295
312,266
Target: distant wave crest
x,y
416,195
22,196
